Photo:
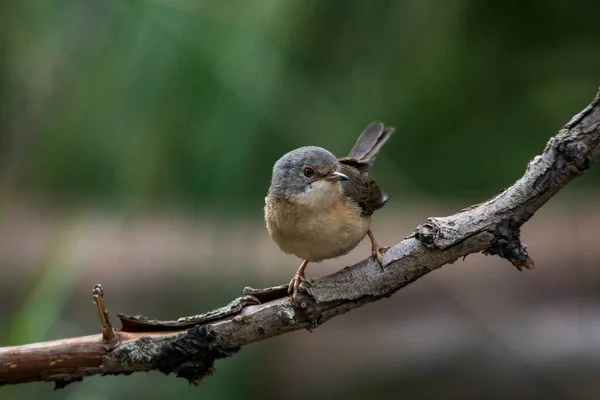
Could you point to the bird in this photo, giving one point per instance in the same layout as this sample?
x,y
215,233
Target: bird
x,y
319,207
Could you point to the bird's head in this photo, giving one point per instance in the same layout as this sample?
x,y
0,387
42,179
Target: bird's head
x,y
307,175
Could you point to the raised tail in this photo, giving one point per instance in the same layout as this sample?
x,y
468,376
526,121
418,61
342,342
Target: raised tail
x,y
370,141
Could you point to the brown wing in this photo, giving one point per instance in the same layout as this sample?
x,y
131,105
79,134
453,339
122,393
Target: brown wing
x,y
361,188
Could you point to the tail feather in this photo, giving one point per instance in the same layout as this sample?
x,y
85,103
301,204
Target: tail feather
x,y
370,141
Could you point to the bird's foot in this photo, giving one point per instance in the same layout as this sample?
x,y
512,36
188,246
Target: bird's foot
x,y
297,279
295,284
377,252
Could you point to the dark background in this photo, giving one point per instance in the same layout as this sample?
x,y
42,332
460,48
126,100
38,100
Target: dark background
x,y
137,139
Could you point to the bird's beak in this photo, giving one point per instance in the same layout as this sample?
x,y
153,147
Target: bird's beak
x,y
336,176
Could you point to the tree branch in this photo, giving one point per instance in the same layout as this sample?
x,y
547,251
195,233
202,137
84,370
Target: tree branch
x,y
189,346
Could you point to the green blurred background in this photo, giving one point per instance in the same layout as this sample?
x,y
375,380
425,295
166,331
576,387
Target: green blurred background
x,y
136,144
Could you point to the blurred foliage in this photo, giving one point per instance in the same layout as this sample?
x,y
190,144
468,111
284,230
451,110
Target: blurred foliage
x,y
190,102
193,101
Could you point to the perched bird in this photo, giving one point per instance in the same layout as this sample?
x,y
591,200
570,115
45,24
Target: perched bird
x,y
319,207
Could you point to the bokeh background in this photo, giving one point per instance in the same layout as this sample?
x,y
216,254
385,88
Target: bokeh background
x,y
136,144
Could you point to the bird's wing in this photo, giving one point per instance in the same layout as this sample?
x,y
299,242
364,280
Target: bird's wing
x,y
360,187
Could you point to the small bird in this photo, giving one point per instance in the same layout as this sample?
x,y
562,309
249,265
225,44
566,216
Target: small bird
x,y
319,207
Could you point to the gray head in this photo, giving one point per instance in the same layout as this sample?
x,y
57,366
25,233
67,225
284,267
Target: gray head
x,y
303,170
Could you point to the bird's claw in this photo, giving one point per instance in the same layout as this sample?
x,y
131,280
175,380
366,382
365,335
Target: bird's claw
x,y
295,284
377,252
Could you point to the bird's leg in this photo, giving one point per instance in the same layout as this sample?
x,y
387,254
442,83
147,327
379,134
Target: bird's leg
x,y
377,250
297,279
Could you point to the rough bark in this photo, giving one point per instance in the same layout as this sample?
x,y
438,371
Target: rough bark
x,y
189,346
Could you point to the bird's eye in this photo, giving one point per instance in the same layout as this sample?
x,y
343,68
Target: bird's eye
x,y
308,172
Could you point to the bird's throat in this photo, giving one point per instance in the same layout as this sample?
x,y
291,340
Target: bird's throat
x,y
319,193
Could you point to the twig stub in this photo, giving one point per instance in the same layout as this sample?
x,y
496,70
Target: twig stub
x,y
108,334
427,232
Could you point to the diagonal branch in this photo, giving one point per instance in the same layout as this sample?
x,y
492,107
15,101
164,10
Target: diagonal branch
x,y
189,346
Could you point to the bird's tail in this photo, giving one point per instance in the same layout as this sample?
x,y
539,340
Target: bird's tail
x,y
370,141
